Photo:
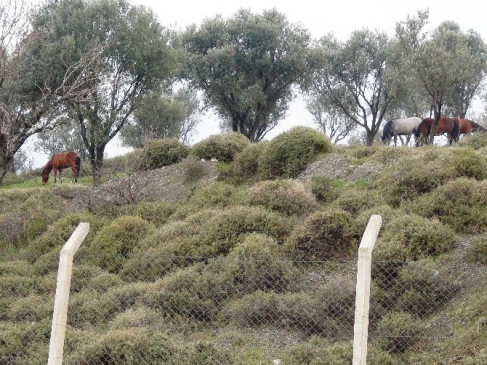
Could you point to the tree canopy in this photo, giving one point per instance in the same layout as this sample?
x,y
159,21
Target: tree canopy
x,y
248,67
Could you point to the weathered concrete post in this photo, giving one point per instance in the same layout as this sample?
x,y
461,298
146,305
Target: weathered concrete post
x,y
60,314
361,326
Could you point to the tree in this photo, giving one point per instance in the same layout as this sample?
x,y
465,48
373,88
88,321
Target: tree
x,y
353,78
448,64
248,67
137,58
163,116
330,119
28,89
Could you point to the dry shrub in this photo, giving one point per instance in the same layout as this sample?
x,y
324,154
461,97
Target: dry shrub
x,y
323,235
32,308
475,141
223,147
157,212
360,152
137,317
461,204
323,189
288,197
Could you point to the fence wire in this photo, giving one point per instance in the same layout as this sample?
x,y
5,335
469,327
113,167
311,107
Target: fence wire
x,y
241,310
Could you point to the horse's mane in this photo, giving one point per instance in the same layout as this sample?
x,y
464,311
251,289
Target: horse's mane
x,y
477,126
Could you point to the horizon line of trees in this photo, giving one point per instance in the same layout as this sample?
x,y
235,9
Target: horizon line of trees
x,y
77,73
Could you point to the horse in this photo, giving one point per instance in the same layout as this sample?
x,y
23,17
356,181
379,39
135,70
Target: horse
x,y
402,127
445,125
467,126
61,161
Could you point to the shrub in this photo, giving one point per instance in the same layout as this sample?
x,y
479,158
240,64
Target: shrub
x,y
246,163
398,332
475,141
461,204
477,251
114,243
284,196
355,200
134,345
288,154
323,235
163,152
157,212
194,169
33,308
136,317
258,246
410,237
323,189
223,147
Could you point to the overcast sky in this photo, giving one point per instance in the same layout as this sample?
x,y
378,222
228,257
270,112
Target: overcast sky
x,y
340,17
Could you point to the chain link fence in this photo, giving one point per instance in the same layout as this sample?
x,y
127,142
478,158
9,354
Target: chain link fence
x,y
243,310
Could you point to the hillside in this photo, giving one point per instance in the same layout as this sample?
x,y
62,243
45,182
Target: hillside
x,y
203,262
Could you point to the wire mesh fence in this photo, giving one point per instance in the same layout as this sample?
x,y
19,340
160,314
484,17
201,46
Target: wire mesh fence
x,y
243,310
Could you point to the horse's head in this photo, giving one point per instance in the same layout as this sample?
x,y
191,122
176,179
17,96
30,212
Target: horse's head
x,y
45,175
387,132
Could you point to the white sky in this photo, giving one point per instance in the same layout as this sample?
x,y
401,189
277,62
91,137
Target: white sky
x,y
340,17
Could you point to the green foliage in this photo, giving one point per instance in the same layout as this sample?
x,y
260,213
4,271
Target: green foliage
x,y
193,169
258,246
163,152
287,197
461,204
411,237
323,235
114,243
477,251
246,163
137,345
223,147
475,141
157,212
248,66
323,189
398,332
288,154
355,201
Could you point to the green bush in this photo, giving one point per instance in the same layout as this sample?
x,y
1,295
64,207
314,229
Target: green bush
x,y
323,189
245,165
477,251
410,237
157,212
223,147
114,243
355,200
323,235
461,204
475,141
133,345
33,308
258,246
163,152
288,197
398,332
288,154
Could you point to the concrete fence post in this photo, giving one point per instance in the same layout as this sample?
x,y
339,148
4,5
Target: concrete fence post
x,y
60,314
360,331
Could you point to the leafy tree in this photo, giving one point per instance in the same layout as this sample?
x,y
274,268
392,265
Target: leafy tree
x,y
353,78
163,116
248,67
136,58
29,89
448,64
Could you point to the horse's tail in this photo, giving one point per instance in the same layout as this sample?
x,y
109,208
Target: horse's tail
x,y
78,167
386,133
456,130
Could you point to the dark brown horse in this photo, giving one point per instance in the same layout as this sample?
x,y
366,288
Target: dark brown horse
x,y
448,126
467,126
61,161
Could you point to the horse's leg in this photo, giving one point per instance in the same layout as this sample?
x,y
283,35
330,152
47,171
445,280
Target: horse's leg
x,y
55,175
395,139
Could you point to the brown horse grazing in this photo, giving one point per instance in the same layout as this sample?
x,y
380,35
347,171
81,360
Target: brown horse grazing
x,y
467,126
61,161
445,125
